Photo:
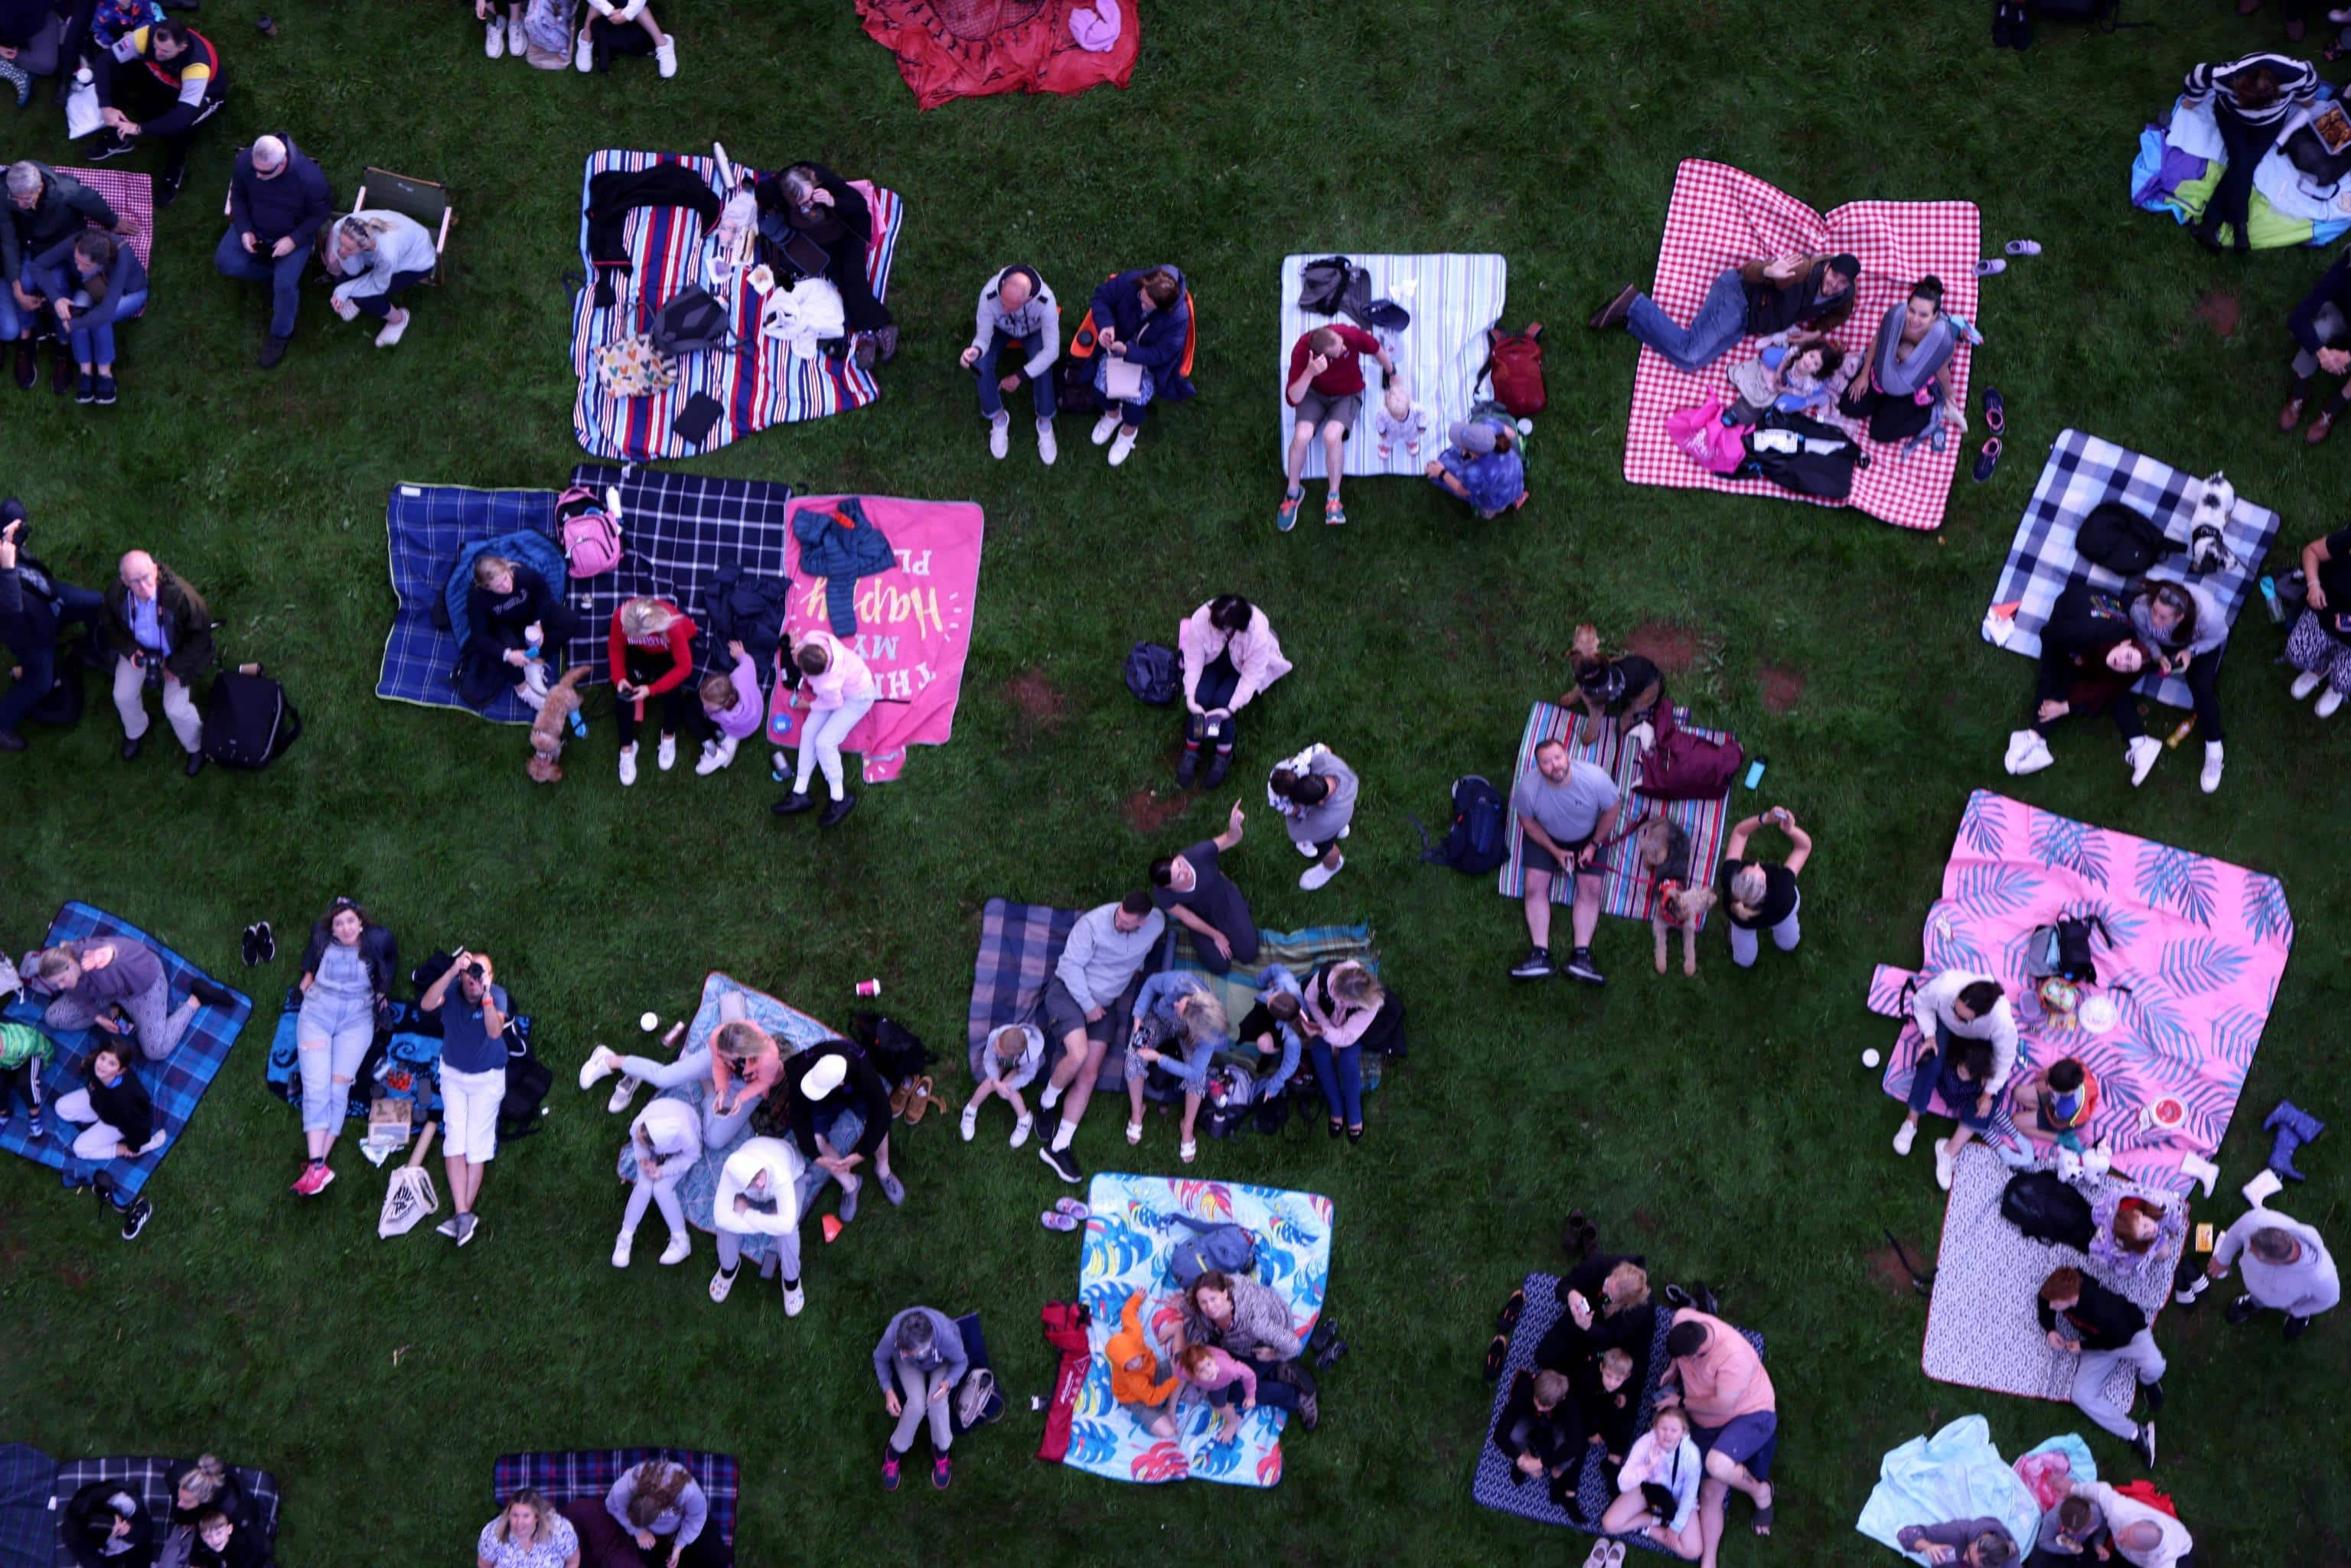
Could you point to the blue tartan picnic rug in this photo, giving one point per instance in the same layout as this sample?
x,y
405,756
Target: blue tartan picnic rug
x,y
425,528
28,1478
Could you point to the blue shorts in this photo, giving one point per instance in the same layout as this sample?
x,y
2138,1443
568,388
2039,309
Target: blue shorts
x,y
1749,1440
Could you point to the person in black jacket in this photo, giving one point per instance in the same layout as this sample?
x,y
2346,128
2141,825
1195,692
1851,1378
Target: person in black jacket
x,y
1608,1322
810,201
43,208
106,1526
161,632
510,610
2321,326
36,608
171,75
2090,656
2086,1320
1540,1435
278,200
838,1108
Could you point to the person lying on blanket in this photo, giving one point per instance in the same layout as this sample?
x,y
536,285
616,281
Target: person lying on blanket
x,y
1970,1055
2104,1329
1898,386
1785,378
1718,1378
1325,387
1626,689
1481,465
118,988
2091,656
1178,1027
1194,890
2182,623
1566,807
1960,1543
1658,1488
1804,296
348,972
742,1065
472,1009
1135,1380
1104,951
1759,895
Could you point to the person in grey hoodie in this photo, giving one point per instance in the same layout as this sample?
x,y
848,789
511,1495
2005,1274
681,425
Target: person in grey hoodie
x,y
1960,1543
1106,950
44,208
378,255
918,1361
1016,310
1315,794
277,201
2183,624
2286,1269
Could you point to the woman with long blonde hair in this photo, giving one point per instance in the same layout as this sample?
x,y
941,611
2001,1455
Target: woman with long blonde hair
x,y
529,1533
1340,1001
377,254
651,653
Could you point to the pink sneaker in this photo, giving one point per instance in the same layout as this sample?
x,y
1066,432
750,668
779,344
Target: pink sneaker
x,y
314,1179
890,1472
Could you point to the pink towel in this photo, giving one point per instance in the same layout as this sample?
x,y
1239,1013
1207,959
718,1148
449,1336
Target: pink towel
x,y
1097,28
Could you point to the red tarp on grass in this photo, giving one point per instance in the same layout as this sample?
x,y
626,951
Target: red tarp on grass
x,y
948,50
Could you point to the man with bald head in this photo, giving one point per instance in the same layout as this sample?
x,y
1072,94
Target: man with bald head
x,y
278,200
161,633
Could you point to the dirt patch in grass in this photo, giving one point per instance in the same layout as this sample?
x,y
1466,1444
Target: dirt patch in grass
x,y
1888,1272
1782,686
1667,645
1646,1221
1148,814
1037,700
2218,309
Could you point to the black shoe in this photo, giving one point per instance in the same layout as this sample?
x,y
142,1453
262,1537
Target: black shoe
x,y
268,940
2020,28
2293,1325
2000,27
252,949
135,1217
1497,1351
2153,1392
271,352
1581,967
1535,966
28,368
11,741
1310,1411
130,749
2142,1443
1218,765
1518,1477
1337,1127
1703,1298
1354,1134
1064,1164
115,146
834,812
210,994
196,763
62,376
887,343
2242,1310
793,804
84,385
102,393
168,183
1187,767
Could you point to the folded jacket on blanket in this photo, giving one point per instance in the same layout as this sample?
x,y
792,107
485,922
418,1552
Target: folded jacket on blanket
x,y
840,546
612,196
1801,455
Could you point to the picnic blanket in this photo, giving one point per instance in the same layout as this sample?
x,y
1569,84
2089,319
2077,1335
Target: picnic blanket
x,y
913,626
1127,1243
132,197
1981,1330
569,1476
174,1083
1958,1474
2082,472
1718,218
1490,1480
756,385
426,528
149,1479
1627,890
2195,948
27,1481
1019,945
1453,299
2178,165
794,1031
948,50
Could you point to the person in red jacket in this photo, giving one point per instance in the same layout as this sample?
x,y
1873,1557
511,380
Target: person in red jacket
x,y
1325,387
650,650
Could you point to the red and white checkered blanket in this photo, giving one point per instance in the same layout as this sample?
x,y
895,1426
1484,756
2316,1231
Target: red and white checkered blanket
x,y
1720,218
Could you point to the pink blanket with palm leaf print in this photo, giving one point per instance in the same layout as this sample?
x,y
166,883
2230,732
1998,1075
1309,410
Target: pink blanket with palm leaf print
x,y
2191,961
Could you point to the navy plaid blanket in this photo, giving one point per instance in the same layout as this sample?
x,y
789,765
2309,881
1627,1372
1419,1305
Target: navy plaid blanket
x,y
28,1478
151,1478
425,526
175,1083
677,531
567,1477
2082,471
1492,1485
1020,944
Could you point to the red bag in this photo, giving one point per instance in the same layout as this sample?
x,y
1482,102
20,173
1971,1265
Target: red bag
x,y
1514,363
1679,766
2143,1490
1065,1324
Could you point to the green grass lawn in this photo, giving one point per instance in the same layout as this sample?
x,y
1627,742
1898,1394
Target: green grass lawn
x,y
1722,1125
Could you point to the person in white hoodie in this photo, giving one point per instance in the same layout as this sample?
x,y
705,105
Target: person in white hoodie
x,y
1656,1489
667,1138
378,255
1106,950
2139,1534
1016,311
1954,1008
2287,1270
759,1194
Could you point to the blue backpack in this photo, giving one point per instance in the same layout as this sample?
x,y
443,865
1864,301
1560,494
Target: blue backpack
x,y
1225,1248
1154,673
1477,842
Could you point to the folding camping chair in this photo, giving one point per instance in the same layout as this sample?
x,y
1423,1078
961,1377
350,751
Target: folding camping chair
x,y
1081,341
423,200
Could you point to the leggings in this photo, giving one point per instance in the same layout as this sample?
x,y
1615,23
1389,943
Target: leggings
x,y
158,1030
643,668
914,1403
22,1080
1784,936
1340,1074
820,742
718,1131
2203,680
663,1193
786,1260
2246,143
331,1039
2312,649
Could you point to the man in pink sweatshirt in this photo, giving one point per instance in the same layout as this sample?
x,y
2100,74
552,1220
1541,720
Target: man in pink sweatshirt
x,y
1718,1379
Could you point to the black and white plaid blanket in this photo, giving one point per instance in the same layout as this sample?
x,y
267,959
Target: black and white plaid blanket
x,y
150,1477
677,531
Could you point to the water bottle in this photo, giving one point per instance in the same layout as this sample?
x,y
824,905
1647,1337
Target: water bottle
x,y
2270,599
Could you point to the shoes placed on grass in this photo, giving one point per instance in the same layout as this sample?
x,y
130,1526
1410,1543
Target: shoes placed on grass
x,y
2022,248
721,1283
1497,1351
1104,428
1121,448
1990,267
794,804
1512,1311
272,352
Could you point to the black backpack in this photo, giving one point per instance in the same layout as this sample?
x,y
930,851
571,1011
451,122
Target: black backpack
x,y
1322,283
2041,1207
738,607
527,1080
1074,387
1154,673
1477,842
692,322
896,1053
2062,949
248,723
2122,539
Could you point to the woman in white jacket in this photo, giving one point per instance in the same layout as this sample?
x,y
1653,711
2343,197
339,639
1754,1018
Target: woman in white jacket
x,y
759,1194
1661,1468
667,1138
377,255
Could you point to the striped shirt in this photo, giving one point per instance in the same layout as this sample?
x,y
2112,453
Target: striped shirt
x,y
2297,85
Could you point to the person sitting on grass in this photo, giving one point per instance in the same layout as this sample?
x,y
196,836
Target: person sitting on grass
x,y
1626,691
529,1532
1178,1027
118,987
1143,320
1194,890
2320,644
1231,1387
1899,385
348,972
1017,311
2321,327
1718,1378
93,281
1006,1064
1658,1488
842,692
1539,1434
161,631
2102,1329
1960,1543
472,1009
666,1138
1230,655
278,201
733,710
1250,1321
25,1054
379,256
1759,896
509,611
918,1361
649,651
762,1190
1315,794
1340,1002
1785,378
43,210
838,1109
1482,464
1102,954
623,28
1270,1028
171,75
116,1121
1565,808
664,1513
1968,1054
35,609
1801,298
1135,1380
1326,390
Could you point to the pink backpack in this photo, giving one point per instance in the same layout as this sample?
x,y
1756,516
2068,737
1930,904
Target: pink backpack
x,y
1705,440
588,528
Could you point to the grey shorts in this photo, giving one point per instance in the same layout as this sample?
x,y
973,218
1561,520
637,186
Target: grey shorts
x,y
1538,858
1316,410
1062,1015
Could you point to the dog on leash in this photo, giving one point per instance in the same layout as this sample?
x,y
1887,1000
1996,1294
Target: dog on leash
x,y
548,730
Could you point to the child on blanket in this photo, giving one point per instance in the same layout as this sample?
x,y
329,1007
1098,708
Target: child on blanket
x,y
1785,378
1656,1490
1665,856
1135,1380
25,1053
732,710
1005,1066
1399,419
116,1120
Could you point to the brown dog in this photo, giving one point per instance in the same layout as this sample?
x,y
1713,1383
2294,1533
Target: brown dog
x,y
551,728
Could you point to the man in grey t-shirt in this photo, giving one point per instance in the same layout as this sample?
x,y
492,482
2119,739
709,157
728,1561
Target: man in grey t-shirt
x,y
1565,809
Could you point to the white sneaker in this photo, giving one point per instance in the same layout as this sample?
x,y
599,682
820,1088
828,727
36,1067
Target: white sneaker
x,y
721,1283
622,1248
1133,1133
667,755
2141,755
495,44
2036,756
1021,1129
717,756
999,436
795,1298
583,55
1047,448
517,41
1121,448
665,56
1904,1136
2303,684
601,1063
394,325
627,765
1318,873
623,1092
2209,780
2328,701
681,1244
1943,1163
970,1122
534,676
1105,427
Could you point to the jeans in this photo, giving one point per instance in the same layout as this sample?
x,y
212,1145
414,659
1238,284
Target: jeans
x,y
991,396
283,274
914,1403
1219,681
2203,680
1934,1075
91,331
40,661
1340,1074
1784,936
379,304
2331,328
717,1130
332,1037
821,744
179,705
841,1129
1270,1391
1720,322
16,321
2147,1363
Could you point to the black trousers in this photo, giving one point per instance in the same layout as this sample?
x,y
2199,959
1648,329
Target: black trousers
x,y
1219,681
845,260
1890,418
2246,143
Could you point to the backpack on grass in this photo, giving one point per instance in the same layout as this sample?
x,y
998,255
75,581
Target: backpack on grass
x,y
1478,841
248,723
1154,673
1514,363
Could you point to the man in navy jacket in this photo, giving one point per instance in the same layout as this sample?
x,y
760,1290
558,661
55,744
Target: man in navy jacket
x,y
277,201
35,610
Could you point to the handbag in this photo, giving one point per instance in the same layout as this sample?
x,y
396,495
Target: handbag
x,y
632,367
409,1199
